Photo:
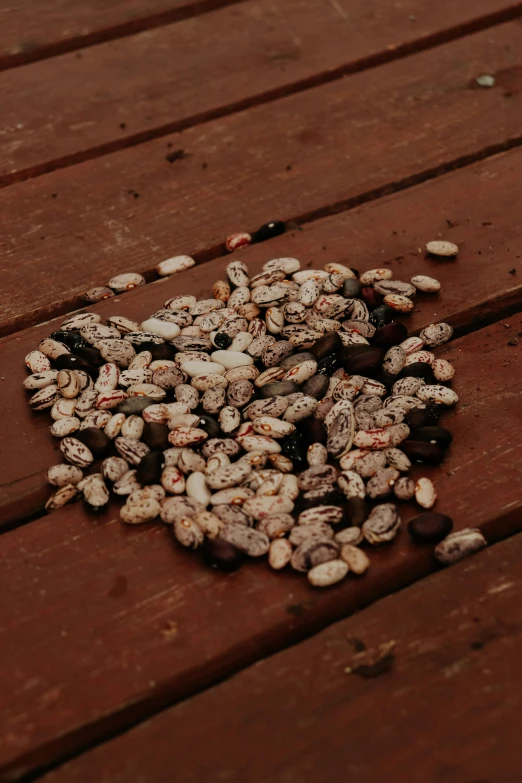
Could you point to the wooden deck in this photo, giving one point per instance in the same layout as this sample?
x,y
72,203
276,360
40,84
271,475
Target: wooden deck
x,y
132,131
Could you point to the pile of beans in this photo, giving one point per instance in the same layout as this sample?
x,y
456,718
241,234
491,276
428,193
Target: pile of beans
x,y
280,417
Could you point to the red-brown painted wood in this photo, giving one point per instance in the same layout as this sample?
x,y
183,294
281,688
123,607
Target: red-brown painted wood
x,y
32,31
321,150
112,95
474,207
101,625
443,703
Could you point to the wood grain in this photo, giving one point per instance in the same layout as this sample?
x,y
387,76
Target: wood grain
x,y
101,625
301,157
473,207
33,31
122,92
444,707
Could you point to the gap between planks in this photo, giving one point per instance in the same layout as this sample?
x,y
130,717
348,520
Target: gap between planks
x,y
114,32
388,55
43,314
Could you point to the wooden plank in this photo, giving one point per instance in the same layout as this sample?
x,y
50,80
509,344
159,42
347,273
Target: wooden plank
x,y
32,31
445,707
473,207
288,160
102,625
111,96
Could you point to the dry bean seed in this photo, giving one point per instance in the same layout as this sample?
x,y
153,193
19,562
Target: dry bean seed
x,y
382,525
459,545
63,495
280,553
442,248
425,493
357,561
425,283
327,574
76,452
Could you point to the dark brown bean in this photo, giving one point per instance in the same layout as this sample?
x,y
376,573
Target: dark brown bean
x,y
423,453
221,555
429,528
372,297
317,386
314,431
357,511
423,416
367,364
326,345
95,440
390,334
161,351
156,436
418,370
71,362
150,468
438,435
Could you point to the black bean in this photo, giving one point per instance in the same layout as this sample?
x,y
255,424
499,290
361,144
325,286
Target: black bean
x,y
423,417
294,447
221,555
351,288
72,339
158,351
328,365
390,334
372,297
210,425
269,230
222,340
95,440
91,355
315,431
418,370
353,350
438,435
423,453
366,364
382,315
327,344
387,378
430,527
150,468
134,406
357,511
156,435
317,386
68,361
